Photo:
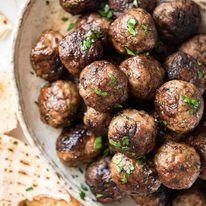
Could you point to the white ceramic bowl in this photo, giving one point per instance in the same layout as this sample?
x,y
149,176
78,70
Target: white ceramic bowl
x,y
36,17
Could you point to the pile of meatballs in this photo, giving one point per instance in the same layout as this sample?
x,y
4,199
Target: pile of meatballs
x,y
127,86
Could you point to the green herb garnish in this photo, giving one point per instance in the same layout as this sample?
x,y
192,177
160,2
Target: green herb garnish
x,y
99,195
131,53
200,74
124,179
83,187
199,63
118,106
190,111
29,189
129,169
135,3
106,11
98,143
191,101
131,23
125,140
101,92
141,160
65,19
115,144
145,28
71,26
87,43
82,195
113,78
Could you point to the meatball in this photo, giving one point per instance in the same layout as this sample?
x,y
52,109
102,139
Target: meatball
x,y
97,121
133,176
177,20
178,165
198,140
45,56
78,49
76,146
98,177
97,24
121,6
145,76
79,6
182,66
102,86
196,47
189,198
58,103
180,105
157,199
132,132
133,32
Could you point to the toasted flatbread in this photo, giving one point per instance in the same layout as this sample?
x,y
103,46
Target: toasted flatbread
x,y
5,26
23,175
8,117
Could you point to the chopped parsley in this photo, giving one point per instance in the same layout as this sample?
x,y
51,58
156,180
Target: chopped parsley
x,y
125,140
106,11
98,143
82,195
115,144
191,101
131,23
131,53
98,34
129,169
105,153
145,28
113,78
71,26
200,74
101,92
199,63
118,106
135,3
190,111
29,189
99,195
65,19
83,187
117,162
141,160
124,179
87,43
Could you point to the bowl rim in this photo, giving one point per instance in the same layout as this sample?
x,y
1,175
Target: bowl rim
x,y
24,10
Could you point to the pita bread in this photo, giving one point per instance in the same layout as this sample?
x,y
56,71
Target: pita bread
x,y
5,27
24,176
8,117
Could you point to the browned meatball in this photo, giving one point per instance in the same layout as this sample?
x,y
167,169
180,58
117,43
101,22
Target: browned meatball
x,y
94,22
58,102
178,165
177,20
102,86
45,56
121,6
133,176
132,132
98,177
145,76
78,49
79,6
180,105
156,199
133,32
76,146
198,140
189,198
182,66
196,47
97,121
